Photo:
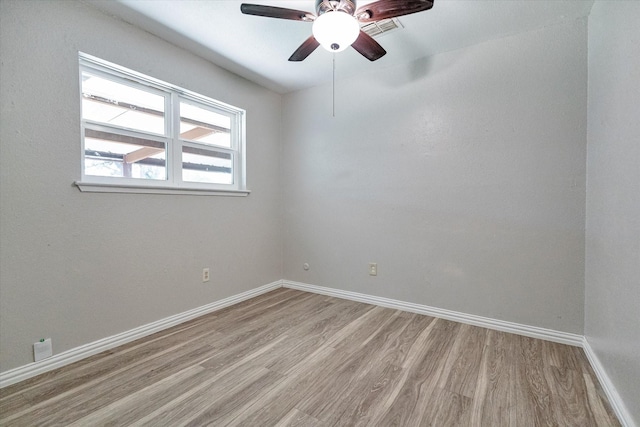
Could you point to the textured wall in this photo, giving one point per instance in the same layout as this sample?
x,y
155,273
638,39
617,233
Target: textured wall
x,y
612,295
76,266
462,175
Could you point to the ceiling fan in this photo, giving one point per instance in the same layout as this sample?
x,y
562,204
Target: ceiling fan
x,y
335,25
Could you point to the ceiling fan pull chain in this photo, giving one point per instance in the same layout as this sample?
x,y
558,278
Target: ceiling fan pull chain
x,y
334,87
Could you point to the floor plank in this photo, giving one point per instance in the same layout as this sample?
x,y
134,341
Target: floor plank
x,y
494,402
291,358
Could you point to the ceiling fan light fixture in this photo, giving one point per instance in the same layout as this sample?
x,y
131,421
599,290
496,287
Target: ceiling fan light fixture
x,y
335,30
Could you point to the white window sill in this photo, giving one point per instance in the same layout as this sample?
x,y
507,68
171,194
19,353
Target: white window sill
x,y
92,187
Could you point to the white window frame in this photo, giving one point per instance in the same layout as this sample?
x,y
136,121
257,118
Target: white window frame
x,y
173,143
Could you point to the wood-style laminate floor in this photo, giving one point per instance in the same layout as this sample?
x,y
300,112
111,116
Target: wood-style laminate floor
x,y
291,358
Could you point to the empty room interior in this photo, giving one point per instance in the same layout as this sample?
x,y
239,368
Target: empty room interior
x,y
438,225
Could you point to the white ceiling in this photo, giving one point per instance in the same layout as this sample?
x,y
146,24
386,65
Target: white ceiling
x,y
257,48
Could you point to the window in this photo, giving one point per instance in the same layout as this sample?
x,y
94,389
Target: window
x,y
140,134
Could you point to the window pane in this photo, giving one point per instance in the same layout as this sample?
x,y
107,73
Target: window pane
x,y
212,167
204,126
108,154
107,101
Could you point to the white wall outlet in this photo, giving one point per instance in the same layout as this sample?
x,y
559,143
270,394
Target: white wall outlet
x,y
42,349
373,269
205,275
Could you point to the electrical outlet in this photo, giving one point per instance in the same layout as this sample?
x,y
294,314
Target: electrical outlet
x,y
205,275
373,269
42,349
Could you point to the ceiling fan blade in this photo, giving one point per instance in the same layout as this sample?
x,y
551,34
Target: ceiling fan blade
x,y
384,9
305,49
276,12
368,47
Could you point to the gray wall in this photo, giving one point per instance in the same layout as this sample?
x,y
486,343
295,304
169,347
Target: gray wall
x,y
76,266
612,297
462,175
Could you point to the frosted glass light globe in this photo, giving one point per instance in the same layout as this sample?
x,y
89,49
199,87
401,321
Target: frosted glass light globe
x,y
335,30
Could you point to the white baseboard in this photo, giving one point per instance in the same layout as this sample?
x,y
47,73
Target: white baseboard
x,y
609,389
516,328
78,353
471,319
31,370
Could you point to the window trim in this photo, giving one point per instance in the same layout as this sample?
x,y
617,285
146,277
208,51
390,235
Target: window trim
x,y
101,187
173,143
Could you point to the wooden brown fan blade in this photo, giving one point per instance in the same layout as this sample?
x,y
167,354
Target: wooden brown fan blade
x,y
384,9
276,12
305,49
368,47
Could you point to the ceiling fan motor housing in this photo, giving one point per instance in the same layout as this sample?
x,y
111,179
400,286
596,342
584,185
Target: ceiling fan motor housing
x,y
348,6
